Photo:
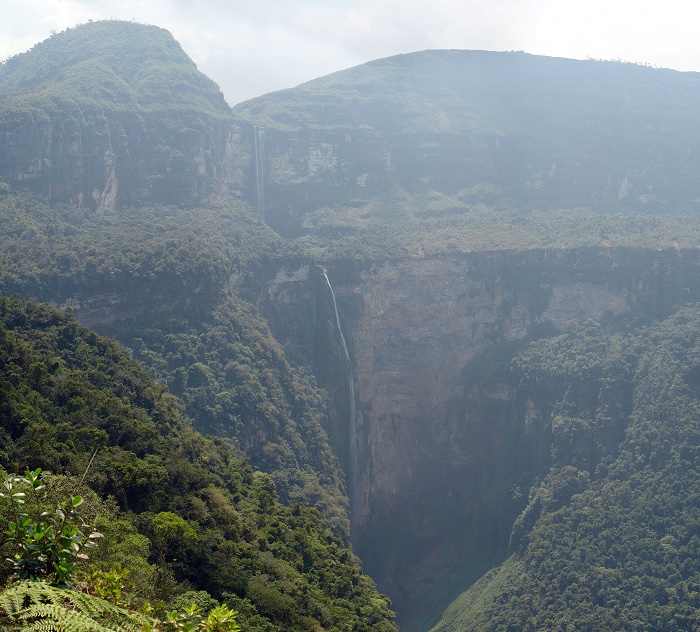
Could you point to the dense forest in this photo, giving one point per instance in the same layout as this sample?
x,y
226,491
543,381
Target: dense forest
x,y
457,338
184,514
215,352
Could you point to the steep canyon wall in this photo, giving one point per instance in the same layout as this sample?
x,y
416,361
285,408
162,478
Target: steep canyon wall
x,y
97,158
448,446
107,159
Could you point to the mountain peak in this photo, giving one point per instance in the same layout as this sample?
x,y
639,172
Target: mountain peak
x,y
147,59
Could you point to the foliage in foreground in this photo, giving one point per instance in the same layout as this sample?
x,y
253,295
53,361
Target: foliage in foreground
x,y
47,545
47,541
39,605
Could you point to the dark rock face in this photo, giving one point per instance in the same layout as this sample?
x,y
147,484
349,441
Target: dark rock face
x,y
310,168
447,445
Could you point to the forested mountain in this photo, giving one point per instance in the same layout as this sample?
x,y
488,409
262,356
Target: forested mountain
x,y
145,67
111,113
449,299
159,280
504,129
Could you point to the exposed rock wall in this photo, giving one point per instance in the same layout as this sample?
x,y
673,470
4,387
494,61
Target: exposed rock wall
x,y
99,159
447,447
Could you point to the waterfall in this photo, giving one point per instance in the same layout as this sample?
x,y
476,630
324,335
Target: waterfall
x,y
351,432
259,140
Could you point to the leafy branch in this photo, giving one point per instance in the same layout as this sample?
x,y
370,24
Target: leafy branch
x,y
48,544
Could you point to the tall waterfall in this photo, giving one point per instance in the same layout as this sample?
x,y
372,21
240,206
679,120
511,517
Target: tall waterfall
x,y
351,431
259,139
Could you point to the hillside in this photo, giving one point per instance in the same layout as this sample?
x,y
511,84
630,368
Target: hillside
x,y
70,397
159,280
111,114
144,65
609,538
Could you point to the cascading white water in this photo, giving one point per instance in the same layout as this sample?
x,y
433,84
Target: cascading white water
x,y
259,140
351,431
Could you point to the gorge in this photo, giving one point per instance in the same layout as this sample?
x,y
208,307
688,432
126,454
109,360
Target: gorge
x,y
471,209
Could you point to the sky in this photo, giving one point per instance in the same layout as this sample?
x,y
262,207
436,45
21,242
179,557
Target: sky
x,y
251,47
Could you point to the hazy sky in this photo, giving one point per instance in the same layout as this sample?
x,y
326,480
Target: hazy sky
x,y
250,47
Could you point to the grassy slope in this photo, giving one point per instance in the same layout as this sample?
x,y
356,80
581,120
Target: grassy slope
x,y
399,226
475,92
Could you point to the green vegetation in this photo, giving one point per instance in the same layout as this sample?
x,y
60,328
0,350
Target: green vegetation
x,y
399,225
179,509
610,538
38,605
135,67
211,348
44,595
419,156
52,254
48,543
233,379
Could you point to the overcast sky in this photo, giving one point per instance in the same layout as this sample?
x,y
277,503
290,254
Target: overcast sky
x,y
250,47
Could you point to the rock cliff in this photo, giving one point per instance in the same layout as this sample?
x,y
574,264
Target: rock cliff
x,y
448,447
498,128
103,129
114,114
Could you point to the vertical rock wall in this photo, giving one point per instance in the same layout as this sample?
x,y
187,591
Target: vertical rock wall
x,y
447,448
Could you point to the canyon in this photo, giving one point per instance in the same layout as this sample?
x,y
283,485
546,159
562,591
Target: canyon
x,y
414,341
448,443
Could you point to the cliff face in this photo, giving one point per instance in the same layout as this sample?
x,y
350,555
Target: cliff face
x,y
447,445
110,160
311,168
105,128
114,114
496,128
